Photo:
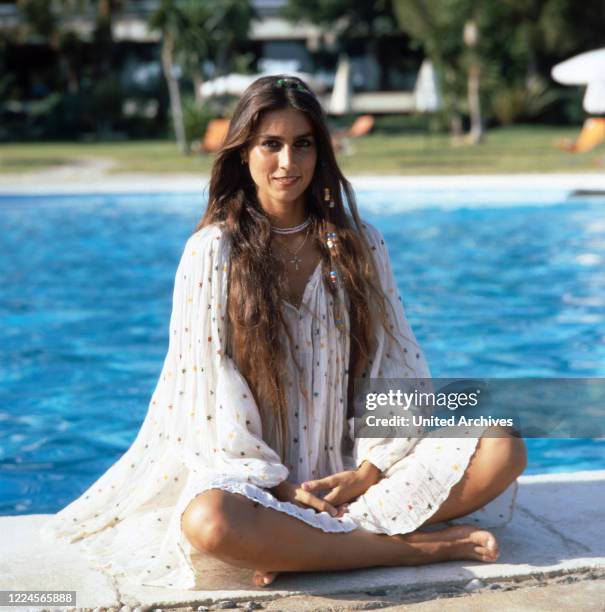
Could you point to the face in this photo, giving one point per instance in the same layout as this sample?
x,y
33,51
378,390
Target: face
x,y
281,157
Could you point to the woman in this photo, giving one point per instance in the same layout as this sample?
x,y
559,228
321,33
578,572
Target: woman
x,y
281,300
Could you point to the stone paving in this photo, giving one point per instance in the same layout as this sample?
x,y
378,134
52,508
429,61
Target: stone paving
x,y
556,538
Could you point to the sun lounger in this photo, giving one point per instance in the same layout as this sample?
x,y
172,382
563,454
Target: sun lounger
x,y
592,135
215,135
360,127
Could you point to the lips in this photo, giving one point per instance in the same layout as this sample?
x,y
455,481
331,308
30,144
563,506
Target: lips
x,y
286,181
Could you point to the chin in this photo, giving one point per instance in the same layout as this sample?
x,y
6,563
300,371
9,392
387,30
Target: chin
x,y
289,197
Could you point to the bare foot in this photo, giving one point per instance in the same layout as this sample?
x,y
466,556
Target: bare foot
x,y
263,579
459,542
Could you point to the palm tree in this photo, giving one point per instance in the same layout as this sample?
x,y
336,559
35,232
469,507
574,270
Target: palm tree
x,y
171,21
195,41
214,31
471,34
438,26
196,30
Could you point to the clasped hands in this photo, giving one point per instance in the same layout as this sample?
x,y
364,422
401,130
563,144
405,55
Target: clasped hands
x,y
343,487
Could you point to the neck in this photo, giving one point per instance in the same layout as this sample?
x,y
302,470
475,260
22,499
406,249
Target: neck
x,y
285,214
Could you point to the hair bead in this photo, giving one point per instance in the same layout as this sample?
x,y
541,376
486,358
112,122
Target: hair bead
x,y
328,197
331,239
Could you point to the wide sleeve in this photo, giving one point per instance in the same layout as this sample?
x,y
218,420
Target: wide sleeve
x,y
202,423
391,360
213,412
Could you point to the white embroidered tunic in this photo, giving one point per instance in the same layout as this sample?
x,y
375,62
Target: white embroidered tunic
x,y
203,430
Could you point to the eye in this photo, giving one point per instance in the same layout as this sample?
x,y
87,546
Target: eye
x,y
305,142
270,144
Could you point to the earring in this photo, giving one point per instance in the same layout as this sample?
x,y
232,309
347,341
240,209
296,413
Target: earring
x,y
328,197
331,239
243,161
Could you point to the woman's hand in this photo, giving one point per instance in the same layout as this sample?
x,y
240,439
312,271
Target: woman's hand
x,y
345,486
294,493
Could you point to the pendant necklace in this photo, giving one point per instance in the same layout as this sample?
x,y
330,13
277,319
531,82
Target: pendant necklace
x,y
296,260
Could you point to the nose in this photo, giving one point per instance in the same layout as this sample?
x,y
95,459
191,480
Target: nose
x,y
285,156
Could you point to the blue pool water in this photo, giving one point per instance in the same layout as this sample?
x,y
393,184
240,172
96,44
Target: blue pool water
x,y
502,289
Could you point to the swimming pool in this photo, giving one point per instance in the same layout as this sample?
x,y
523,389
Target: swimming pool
x,y
512,287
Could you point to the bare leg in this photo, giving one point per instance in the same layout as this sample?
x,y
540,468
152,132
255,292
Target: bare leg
x,y
241,532
496,463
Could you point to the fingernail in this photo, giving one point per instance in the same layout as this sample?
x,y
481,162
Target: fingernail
x,y
266,580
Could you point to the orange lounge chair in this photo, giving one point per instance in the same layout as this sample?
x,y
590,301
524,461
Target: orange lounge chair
x,y
360,127
215,135
592,135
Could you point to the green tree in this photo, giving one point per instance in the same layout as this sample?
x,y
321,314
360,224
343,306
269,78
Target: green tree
x,y
345,22
105,12
49,21
438,27
170,20
435,25
508,65
40,22
346,18
194,31
523,39
212,35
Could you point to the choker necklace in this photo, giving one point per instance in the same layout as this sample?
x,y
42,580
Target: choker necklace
x,y
292,230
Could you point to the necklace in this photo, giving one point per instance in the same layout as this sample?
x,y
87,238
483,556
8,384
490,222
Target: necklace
x,y
296,260
292,230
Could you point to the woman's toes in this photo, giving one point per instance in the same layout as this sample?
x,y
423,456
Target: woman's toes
x,y
484,554
491,545
263,578
486,545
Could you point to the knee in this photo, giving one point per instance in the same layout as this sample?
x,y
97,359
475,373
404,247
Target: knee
x,y
518,455
206,522
509,453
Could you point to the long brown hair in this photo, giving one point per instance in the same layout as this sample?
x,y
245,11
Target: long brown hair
x,y
257,278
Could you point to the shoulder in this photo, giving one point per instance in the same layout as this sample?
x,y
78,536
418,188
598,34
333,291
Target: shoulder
x,y
377,246
209,241
374,238
206,237
205,250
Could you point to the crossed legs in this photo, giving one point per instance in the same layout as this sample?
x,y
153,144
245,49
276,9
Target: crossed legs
x,y
243,533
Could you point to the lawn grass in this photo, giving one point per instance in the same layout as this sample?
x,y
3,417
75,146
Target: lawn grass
x,y
518,149
153,156
522,149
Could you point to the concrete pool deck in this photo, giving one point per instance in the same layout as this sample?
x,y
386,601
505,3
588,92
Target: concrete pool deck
x,y
95,176
556,538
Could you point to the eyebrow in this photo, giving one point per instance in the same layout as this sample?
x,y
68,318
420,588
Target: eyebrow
x,y
305,135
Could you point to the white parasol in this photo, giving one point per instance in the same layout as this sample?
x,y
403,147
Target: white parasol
x,y
427,97
585,69
340,101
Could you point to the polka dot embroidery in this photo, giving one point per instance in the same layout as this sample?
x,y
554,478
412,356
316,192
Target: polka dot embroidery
x,y
314,436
